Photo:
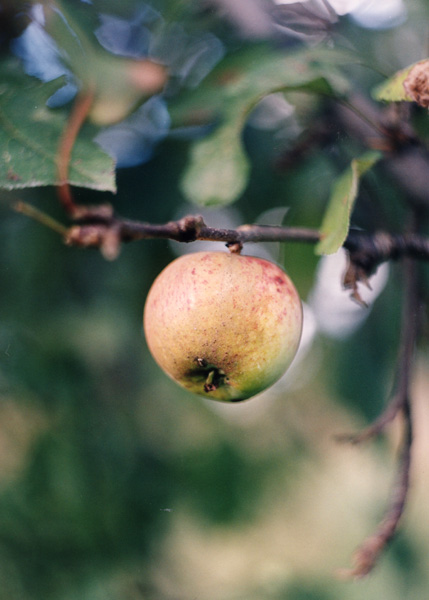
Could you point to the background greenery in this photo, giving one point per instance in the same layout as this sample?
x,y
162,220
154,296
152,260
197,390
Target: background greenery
x,y
114,483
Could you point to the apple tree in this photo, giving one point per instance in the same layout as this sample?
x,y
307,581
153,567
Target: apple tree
x,y
135,132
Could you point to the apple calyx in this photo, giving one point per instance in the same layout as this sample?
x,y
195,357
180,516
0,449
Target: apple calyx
x,y
215,377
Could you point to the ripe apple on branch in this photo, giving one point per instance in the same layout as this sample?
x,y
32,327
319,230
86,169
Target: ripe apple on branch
x,y
223,325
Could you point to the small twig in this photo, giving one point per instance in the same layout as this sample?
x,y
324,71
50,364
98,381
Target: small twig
x,y
368,553
388,415
37,215
409,331
375,124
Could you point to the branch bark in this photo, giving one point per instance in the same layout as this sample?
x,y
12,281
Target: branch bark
x,y
367,250
98,227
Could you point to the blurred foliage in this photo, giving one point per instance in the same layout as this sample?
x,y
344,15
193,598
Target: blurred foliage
x,y
114,483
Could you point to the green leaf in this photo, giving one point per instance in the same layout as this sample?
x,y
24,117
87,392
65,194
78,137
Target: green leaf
x,y
393,90
30,134
219,168
336,221
253,73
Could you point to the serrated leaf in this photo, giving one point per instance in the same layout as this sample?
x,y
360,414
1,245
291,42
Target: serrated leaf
x,y
218,169
393,90
30,133
336,221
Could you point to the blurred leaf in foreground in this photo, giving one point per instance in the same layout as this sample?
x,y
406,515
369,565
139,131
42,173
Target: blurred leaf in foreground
x,y
119,83
219,168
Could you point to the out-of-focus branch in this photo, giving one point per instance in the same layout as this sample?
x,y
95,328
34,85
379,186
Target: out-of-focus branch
x,y
408,158
250,17
409,334
367,554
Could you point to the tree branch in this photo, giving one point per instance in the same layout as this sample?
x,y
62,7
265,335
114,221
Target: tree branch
x,y
98,227
188,229
409,333
367,250
368,553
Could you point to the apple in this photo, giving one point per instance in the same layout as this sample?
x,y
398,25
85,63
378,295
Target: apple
x,y
223,325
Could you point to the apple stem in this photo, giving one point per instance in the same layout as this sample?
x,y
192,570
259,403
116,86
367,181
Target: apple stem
x,y
235,247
